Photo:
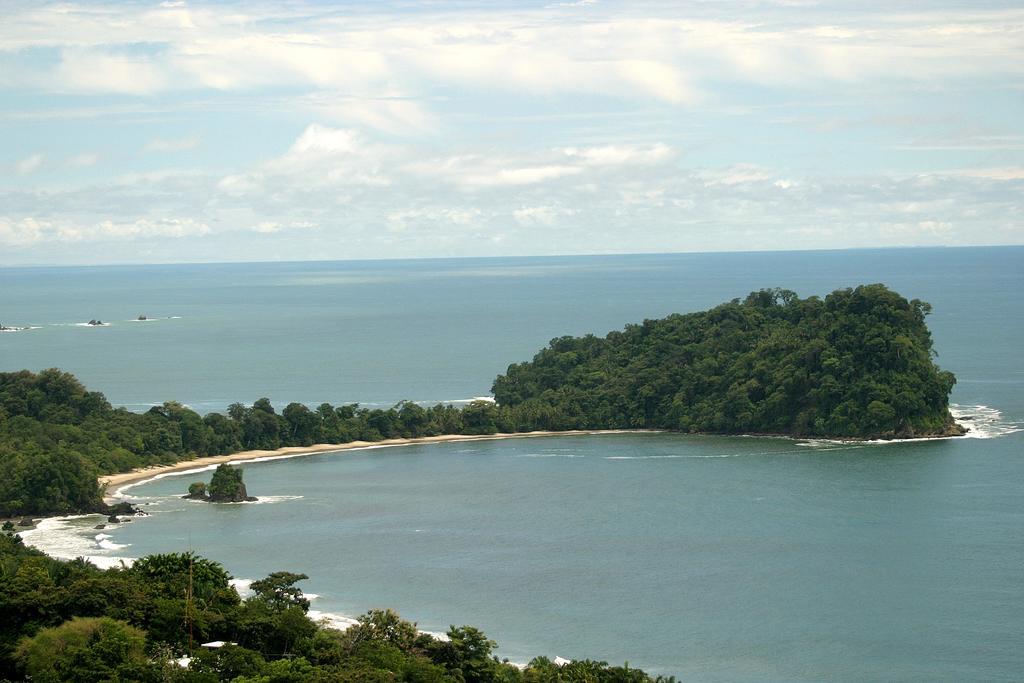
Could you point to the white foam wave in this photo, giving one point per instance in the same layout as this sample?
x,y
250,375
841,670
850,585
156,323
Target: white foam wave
x,y
661,457
332,620
444,637
91,325
109,561
822,444
266,500
20,329
342,622
984,422
74,536
443,401
550,455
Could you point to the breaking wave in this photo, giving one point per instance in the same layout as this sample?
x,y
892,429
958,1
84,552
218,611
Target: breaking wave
x,y
984,422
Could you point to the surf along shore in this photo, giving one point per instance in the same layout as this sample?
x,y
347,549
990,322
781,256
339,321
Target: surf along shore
x,y
114,483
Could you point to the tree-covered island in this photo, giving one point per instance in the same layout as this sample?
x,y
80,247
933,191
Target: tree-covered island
x,y
856,364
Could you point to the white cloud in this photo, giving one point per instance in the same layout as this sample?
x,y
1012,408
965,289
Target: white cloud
x,y
966,142
621,207
519,176
99,71
267,227
395,114
737,175
17,233
612,155
318,140
475,172
29,164
83,160
910,233
992,173
271,227
143,227
542,215
432,219
336,160
30,230
675,54
171,145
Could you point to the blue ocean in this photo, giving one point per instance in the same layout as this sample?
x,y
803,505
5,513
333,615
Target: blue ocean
x,y
707,558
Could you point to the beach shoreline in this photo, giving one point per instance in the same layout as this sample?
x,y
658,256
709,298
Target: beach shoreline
x,y
114,484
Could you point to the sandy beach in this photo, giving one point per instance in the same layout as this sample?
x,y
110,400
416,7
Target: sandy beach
x,y
116,482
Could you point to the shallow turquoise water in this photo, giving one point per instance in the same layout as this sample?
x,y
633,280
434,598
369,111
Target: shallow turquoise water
x,y
714,559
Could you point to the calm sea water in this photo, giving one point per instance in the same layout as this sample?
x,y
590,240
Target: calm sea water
x,y
714,559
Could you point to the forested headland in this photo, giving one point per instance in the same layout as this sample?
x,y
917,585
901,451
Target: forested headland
x,y
858,363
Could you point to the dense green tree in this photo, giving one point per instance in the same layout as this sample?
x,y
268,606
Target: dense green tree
x,y
229,662
384,626
303,425
83,649
178,573
467,654
278,591
197,489
226,485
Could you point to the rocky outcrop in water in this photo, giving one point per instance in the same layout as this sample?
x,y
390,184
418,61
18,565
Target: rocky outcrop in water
x,y
226,486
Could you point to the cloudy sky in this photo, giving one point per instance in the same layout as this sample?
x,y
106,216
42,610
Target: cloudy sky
x,y
184,131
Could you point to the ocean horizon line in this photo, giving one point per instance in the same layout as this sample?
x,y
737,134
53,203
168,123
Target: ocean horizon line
x,y
496,257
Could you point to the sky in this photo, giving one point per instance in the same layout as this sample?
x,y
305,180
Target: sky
x,y
181,131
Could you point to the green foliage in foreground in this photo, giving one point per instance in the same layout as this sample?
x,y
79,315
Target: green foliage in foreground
x,y
857,363
68,621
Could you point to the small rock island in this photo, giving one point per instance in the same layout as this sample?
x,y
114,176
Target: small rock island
x,y
226,486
